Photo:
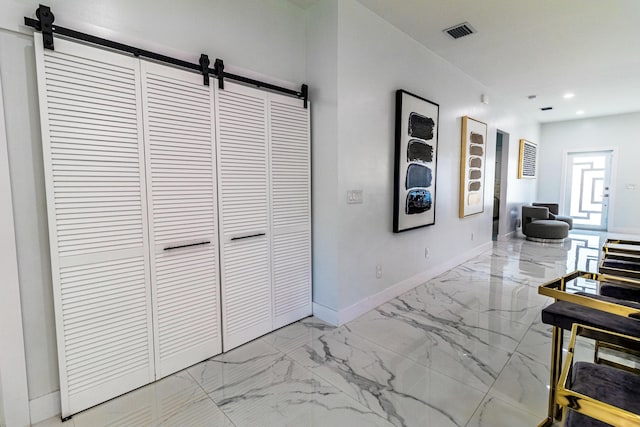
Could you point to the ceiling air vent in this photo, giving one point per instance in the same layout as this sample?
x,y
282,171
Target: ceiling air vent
x,y
460,30
546,108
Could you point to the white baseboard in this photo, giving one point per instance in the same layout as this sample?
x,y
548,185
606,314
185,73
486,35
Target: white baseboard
x,y
44,407
358,309
325,314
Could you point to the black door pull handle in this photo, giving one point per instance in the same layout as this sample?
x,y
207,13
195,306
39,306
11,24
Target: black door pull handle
x,y
247,237
168,248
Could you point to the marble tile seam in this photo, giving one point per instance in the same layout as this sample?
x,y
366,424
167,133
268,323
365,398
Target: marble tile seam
x,y
231,423
424,365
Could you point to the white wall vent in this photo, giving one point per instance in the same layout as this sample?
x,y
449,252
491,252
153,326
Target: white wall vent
x,y
460,30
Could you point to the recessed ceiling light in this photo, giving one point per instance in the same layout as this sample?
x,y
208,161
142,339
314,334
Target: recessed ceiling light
x,y
579,112
568,95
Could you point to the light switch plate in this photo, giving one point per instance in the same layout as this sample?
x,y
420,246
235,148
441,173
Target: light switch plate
x,y
354,197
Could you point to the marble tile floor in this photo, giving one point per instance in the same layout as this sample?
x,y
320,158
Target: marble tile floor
x,y
466,348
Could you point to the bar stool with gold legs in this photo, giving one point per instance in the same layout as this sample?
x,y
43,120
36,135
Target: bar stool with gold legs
x,y
595,395
621,258
611,314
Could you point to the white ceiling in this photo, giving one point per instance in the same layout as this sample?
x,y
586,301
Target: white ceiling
x,y
534,47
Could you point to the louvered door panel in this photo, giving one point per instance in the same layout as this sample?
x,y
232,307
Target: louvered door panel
x,y
244,213
291,204
96,201
179,141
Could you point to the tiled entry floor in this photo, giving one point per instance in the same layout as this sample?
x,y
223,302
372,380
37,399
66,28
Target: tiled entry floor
x,y
464,349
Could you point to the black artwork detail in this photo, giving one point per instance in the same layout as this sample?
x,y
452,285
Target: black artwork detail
x,y
475,174
475,162
418,151
476,151
474,186
529,160
418,201
421,126
476,138
418,176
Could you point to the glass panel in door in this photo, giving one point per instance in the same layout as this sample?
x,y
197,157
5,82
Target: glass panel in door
x,y
587,195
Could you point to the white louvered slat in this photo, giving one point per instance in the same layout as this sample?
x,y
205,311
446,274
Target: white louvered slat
x,y
244,211
291,204
94,174
179,140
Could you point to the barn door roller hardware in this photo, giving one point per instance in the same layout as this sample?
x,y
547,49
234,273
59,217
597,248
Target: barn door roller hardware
x,y
45,24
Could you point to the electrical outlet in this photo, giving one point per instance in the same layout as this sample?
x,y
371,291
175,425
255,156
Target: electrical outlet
x,y
354,197
378,271
427,253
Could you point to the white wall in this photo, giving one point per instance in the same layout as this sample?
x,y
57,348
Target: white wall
x,y
322,77
375,59
14,407
621,132
2,422
265,37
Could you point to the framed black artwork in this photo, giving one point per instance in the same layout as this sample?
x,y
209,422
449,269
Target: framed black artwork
x,y
527,162
415,162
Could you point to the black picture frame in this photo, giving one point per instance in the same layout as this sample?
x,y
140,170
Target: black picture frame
x,y
415,168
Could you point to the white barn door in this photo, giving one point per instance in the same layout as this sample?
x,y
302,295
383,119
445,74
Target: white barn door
x,y
90,107
180,158
243,174
291,203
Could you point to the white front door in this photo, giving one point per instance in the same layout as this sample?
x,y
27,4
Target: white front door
x,y
588,188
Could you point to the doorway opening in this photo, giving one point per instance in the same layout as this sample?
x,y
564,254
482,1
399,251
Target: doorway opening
x,y
500,182
587,188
